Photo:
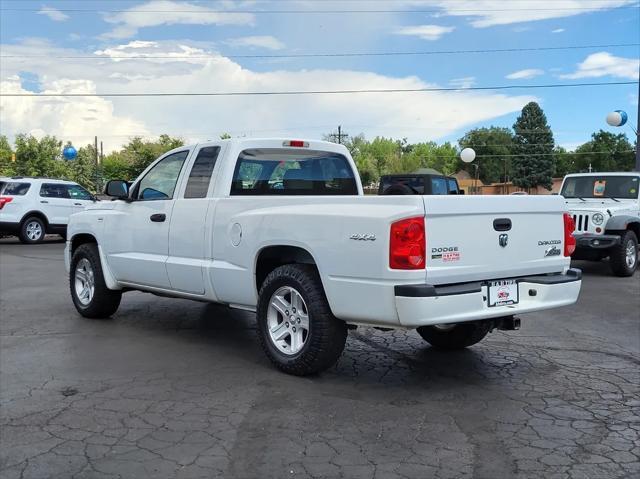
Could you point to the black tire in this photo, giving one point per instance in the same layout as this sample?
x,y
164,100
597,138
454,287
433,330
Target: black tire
x,y
326,335
29,227
618,257
105,301
399,189
460,336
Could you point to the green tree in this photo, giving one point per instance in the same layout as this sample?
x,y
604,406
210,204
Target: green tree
x,y
82,169
7,167
115,166
225,136
533,144
39,157
492,145
605,152
141,153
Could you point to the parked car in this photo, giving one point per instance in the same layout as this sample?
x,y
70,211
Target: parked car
x,y
33,207
606,210
282,228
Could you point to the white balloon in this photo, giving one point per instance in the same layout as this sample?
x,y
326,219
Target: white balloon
x,y
614,118
468,155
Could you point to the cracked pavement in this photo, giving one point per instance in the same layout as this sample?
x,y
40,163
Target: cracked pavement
x,y
173,388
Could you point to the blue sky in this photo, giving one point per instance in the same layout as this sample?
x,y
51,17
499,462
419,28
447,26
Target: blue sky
x,y
193,46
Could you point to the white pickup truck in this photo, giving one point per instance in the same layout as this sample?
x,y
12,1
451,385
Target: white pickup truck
x,y
282,228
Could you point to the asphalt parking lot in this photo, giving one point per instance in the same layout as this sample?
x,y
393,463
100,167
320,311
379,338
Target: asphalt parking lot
x,y
172,388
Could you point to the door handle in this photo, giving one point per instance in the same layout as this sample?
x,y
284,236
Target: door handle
x,y
78,204
158,217
43,201
502,224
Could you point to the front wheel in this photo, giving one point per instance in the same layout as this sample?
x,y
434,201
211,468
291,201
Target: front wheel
x,y
624,256
296,328
89,292
455,336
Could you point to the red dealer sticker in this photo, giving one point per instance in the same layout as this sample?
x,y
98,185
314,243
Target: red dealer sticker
x,y
451,256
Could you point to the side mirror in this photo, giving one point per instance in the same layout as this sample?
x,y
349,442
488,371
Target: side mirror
x,y
118,189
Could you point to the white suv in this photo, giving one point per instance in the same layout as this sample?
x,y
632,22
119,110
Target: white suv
x,y
33,207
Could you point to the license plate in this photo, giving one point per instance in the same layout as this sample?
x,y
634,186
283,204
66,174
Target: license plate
x,y
503,292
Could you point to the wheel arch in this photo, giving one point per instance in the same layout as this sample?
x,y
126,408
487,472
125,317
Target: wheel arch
x,y
38,214
81,238
619,224
271,257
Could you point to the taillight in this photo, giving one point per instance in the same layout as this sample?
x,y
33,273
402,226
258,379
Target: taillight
x,y
4,200
296,144
407,247
569,239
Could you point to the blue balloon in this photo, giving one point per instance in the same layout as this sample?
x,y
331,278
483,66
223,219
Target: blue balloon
x,y
69,152
623,117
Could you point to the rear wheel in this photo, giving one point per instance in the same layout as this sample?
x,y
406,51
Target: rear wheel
x,y
296,328
32,230
455,336
624,256
89,292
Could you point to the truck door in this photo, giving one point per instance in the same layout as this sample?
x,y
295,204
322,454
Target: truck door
x,y
137,235
188,231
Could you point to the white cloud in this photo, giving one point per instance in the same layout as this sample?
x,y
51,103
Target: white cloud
x,y
603,64
76,119
417,116
425,32
257,41
558,30
486,13
53,14
525,74
166,12
465,82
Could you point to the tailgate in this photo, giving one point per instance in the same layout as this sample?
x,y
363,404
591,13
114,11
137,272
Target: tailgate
x,y
473,238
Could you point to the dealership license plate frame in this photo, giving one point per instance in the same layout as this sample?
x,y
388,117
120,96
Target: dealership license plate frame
x,y
509,286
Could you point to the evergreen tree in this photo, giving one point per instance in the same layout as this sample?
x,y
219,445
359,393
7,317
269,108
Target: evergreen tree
x,y
533,144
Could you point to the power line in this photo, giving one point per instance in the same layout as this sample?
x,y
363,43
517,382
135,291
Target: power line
x,y
315,92
338,54
312,12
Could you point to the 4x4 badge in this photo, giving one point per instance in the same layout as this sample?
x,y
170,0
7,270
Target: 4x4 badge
x,y
503,240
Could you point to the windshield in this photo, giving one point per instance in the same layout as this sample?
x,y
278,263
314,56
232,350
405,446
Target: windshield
x,y
620,187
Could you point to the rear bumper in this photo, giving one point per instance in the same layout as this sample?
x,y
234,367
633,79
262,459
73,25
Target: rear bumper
x,y
9,228
424,304
597,242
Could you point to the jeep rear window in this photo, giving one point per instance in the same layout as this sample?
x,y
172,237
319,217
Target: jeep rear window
x,y
274,171
15,189
619,187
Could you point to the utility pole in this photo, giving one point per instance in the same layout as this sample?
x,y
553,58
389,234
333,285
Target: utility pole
x,y
638,132
339,136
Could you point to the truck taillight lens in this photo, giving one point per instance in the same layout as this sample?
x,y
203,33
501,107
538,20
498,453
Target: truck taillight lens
x,y
407,246
569,239
4,200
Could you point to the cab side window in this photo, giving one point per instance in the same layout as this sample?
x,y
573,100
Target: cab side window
x,y
160,181
54,190
200,175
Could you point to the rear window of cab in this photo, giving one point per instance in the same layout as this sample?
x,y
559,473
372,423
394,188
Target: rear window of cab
x,y
278,171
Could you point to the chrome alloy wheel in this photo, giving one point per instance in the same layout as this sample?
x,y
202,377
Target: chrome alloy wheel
x,y
85,282
288,320
34,230
630,254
